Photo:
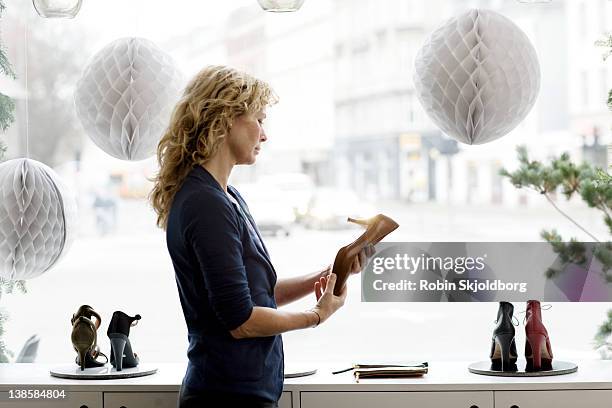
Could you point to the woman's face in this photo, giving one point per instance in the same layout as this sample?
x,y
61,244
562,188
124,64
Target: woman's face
x,y
246,136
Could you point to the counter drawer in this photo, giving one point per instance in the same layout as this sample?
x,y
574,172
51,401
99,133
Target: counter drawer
x,y
71,400
158,400
478,399
557,399
140,399
285,400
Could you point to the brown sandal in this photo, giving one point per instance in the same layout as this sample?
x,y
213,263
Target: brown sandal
x,y
84,337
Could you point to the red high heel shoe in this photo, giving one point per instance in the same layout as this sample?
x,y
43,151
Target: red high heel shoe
x,y
538,351
377,228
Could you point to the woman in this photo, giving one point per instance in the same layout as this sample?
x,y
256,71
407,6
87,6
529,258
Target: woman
x,y
227,285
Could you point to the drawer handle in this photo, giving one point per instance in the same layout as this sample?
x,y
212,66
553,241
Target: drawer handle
x,y
83,406
474,406
514,406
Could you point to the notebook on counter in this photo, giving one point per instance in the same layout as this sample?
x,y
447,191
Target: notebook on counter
x,y
387,370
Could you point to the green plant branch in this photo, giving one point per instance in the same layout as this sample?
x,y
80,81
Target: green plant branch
x,y
5,65
550,200
606,211
533,175
606,43
605,178
566,215
594,188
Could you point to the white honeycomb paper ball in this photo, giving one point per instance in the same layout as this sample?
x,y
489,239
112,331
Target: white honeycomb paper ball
x,y
37,219
477,76
125,97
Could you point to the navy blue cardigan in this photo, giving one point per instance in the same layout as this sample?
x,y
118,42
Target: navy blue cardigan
x,y
222,270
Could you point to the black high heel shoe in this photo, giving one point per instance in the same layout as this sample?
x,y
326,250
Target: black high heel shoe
x,y
503,347
121,349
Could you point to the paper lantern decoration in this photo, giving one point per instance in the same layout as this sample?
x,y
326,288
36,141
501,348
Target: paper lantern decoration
x,y
125,97
37,219
57,8
280,6
477,76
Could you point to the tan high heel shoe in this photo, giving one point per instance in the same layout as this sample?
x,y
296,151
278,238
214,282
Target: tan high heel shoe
x,y
84,337
88,312
377,228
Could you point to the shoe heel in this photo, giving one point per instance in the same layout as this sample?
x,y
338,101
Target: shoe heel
x,y
82,351
358,221
536,341
130,360
505,342
117,347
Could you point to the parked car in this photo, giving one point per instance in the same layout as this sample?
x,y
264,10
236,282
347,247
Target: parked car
x,y
297,189
272,212
330,207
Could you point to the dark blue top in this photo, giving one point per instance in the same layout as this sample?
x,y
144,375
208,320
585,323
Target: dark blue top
x,y
222,270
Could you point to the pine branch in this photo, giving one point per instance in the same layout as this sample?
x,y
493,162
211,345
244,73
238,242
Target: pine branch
x,y
605,42
7,107
573,252
5,353
5,65
593,185
561,173
570,218
7,286
604,331
604,181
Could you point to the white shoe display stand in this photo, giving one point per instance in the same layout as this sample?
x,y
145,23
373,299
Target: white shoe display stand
x,y
107,372
558,368
299,370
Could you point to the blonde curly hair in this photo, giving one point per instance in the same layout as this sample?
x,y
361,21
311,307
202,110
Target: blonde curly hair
x,y
199,124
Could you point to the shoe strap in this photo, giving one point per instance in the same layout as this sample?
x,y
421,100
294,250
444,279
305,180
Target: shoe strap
x,y
513,320
546,306
104,355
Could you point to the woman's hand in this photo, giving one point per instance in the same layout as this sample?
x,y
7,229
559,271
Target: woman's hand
x,y
361,259
327,302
